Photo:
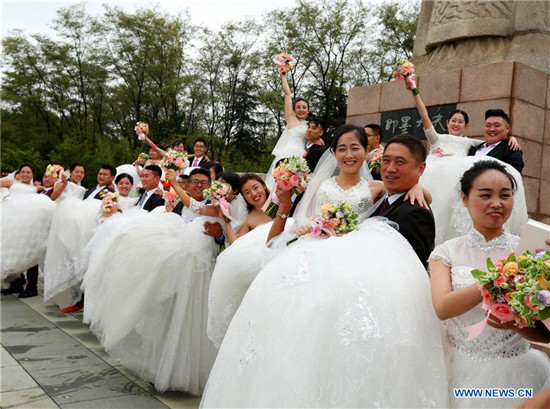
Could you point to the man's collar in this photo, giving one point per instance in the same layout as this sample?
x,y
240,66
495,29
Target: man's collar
x,y
393,198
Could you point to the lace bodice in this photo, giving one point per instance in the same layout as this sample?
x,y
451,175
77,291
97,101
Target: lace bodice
x,y
71,190
126,202
450,144
462,255
291,142
191,212
358,196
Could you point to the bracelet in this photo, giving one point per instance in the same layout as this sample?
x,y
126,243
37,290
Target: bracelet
x,y
282,215
415,91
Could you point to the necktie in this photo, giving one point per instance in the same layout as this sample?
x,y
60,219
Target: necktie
x,y
384,206
142,199
196,162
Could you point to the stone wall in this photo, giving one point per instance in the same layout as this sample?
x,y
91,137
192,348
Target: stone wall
x,y
521,91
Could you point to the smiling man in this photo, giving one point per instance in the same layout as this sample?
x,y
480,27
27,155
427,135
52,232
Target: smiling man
x,y
496,130
403,163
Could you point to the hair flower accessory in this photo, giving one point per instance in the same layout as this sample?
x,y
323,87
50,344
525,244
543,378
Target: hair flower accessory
x,y
141,130
284,62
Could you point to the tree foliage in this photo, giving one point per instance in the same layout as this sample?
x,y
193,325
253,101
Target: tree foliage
x,y
77,95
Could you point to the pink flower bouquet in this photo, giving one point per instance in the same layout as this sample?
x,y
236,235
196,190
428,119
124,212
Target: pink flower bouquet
x,y
109,202
376,163
221,194
517,288
291,174
141,130
55,170
175,160
170,196
404,70
284,62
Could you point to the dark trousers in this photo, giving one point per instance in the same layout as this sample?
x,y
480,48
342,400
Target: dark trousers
x,y
32,278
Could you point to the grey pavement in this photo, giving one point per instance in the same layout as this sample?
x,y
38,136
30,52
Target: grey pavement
x,y
52,360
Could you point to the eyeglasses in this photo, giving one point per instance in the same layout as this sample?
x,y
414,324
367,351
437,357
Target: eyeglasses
x,y
199,182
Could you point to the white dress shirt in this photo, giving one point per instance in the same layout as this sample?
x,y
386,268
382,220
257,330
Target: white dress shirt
x,y
485,149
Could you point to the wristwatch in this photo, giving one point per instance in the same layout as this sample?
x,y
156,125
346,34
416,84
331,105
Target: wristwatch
x,y
282,215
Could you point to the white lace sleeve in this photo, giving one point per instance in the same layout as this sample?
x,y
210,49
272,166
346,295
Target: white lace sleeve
x,y
442,252
195,206
431,135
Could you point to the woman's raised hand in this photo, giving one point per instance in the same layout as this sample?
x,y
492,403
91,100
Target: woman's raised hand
x,y
171,176
416,194
305,229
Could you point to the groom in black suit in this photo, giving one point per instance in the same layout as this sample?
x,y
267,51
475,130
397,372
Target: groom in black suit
x,y
403,163
105,178
150,179
496,130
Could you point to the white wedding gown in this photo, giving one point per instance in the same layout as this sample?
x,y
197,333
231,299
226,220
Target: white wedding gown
x,y
337,322
497,358
236,268
291,142
442,179
26,220
146,297
72,227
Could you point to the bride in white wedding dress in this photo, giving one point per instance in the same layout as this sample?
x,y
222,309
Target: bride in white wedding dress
x,y
293,139
337,322
500,357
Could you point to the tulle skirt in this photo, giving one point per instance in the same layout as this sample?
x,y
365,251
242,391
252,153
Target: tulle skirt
x,y
148,294
26,221
338,322
72,227
236,268
529,370
442,179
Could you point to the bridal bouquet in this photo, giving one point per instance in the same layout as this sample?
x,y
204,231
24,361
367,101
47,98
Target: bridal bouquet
x,y
170,196
219,193
517,288
284,62
54,170
333,221
141,130
376,163
109,202
143,157
404,70
175,160
291,174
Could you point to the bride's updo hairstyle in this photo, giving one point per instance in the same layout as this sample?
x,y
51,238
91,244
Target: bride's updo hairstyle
x,y
298,100
124,176
26,165
75,165
461,112
248,177
343,129
479,168
232,179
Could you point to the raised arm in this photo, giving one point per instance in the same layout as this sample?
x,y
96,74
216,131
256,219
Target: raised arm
x,y
290,117
285,204
6,183
448,303
59,187
162,152
171,177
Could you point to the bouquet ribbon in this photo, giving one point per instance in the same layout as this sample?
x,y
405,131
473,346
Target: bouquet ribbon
x,y
224,207
271,199
476,330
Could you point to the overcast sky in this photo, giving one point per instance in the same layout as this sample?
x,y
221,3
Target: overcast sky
x,y
35,16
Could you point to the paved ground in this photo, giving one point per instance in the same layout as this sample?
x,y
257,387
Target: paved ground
x,y
52,360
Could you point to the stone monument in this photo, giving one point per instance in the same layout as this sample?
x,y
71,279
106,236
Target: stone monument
x,y
476,55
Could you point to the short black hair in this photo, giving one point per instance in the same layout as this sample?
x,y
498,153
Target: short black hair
x,y
183,176
200,140
376,129
231,178
157,171
75,164
478,169
343,129
318,121
122,176
26,165
461,112
415,146
110,168
497,112
200,171
213,164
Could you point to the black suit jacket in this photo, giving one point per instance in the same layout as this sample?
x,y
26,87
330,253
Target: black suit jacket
x,y
154,201
503,152
314,153
416,224
97,195
192,158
